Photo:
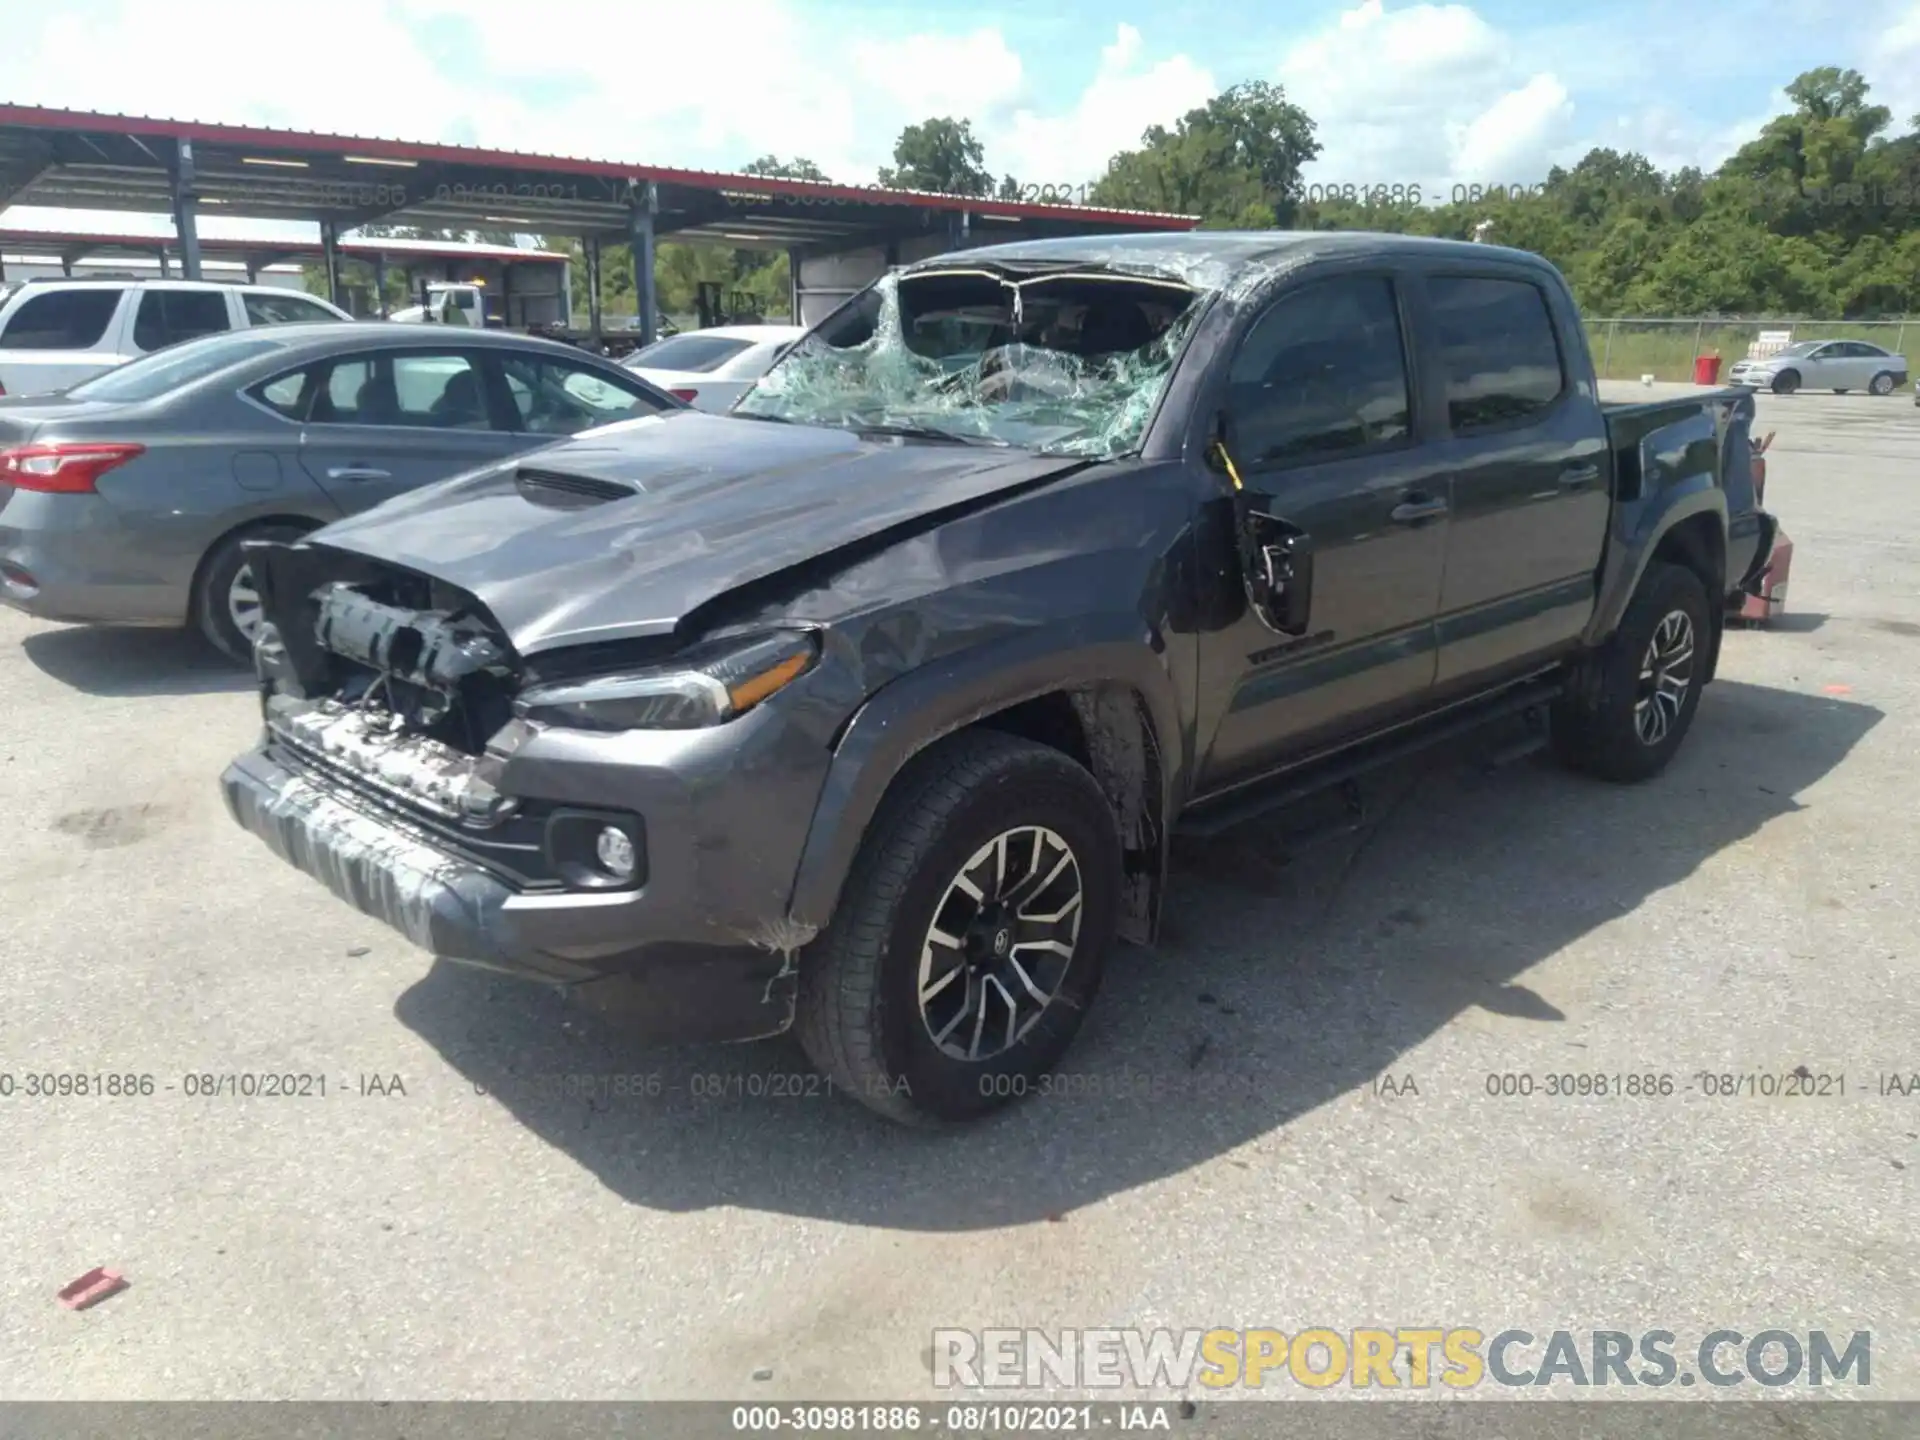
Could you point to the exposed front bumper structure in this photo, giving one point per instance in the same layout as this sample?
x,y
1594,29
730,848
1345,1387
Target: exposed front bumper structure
x,y
599,944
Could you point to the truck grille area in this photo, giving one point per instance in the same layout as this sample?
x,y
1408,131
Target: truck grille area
x,y
441,795
395,693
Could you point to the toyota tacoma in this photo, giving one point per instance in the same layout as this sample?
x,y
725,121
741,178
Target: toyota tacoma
x,y
871,708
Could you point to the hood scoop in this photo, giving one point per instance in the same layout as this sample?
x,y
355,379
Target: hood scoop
x,y
556,490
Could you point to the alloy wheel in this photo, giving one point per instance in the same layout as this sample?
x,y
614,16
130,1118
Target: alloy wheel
x,y
243,604
1666,674
1001,942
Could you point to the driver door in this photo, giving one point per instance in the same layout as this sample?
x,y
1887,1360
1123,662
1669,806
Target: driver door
x,y
1320,420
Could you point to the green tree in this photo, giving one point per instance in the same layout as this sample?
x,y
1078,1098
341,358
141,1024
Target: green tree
x,y
1234,161
794,169
940,154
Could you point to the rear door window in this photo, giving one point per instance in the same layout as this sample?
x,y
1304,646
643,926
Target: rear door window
x,y
430,391
73,319
267,308
1498,351
167,317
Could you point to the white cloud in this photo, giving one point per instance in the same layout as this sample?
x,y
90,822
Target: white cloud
x,y
1428,95
1123,100
1894,65
1506,141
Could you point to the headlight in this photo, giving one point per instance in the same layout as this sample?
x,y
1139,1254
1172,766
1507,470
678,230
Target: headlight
x,y
706,686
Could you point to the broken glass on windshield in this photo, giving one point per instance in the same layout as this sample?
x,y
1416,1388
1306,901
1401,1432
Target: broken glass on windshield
x,y
1071,363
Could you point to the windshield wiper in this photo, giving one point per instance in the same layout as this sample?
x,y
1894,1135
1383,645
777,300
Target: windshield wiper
x,y
925,432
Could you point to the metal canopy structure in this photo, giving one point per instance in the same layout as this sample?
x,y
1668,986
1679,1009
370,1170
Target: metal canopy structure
x,y
82,160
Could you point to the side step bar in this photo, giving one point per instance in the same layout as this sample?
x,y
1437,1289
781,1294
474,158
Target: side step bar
x,y
1344,766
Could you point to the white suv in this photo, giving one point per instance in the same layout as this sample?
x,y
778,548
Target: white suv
x,y
56,333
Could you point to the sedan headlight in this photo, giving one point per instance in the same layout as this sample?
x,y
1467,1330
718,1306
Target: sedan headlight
x,y
706,686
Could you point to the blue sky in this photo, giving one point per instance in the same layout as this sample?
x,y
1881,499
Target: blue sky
x,y
1492,91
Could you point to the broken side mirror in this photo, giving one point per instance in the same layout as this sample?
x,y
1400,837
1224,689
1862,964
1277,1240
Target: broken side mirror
x,y
1276,559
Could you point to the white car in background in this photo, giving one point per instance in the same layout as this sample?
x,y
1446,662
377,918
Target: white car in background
x,y
56,333
711,369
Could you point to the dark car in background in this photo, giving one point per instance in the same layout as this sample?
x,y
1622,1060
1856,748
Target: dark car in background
x,y
127,499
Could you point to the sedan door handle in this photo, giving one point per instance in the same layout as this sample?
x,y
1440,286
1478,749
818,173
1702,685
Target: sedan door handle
x,y
357,472
1411,512
1574,476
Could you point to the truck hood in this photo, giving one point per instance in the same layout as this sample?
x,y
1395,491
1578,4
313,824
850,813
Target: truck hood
x,y
621,532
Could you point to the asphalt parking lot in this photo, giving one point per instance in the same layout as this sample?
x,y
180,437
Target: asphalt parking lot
x,y
442,1225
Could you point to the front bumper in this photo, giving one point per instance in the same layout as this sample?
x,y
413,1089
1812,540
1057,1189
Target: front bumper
x,y
614,948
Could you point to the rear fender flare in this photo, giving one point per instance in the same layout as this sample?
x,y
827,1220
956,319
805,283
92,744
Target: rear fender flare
x,y
1093,659
1639,527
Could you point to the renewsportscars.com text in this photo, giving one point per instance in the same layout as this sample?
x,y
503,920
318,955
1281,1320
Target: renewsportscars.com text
x,y
1414,1358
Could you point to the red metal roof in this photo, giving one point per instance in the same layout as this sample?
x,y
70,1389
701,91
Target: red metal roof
x,y
419,152
101,243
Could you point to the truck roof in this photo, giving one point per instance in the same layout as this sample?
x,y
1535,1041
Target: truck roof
x,y
1212,259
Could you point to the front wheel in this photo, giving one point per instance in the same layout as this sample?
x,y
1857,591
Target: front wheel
x,y
1786,382
971,936
1624,719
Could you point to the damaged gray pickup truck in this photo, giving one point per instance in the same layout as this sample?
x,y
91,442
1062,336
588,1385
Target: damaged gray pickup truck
x,y
872,707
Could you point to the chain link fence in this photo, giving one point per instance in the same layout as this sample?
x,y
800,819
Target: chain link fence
x,y
1626,349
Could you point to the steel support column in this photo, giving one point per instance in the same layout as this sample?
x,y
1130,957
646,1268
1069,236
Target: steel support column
x,y
591,246
380,285
645,205
180,173
330,258
164,272
793,285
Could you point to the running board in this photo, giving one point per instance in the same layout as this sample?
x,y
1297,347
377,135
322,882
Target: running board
x,y
1290,787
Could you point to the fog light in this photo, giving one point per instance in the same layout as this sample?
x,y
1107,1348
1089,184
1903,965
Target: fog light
x,y
614,849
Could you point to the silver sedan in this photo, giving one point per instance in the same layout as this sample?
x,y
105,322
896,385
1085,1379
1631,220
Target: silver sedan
x,y
1837,365
126,499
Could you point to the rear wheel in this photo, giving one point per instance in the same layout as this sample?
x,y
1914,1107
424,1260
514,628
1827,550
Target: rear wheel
x,y
1786,382
1625,718
1881,384
226,603
971,936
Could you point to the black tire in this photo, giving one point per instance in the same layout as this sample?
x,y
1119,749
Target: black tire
x,y
1598,725
1881,384
223,564
1786,382
1839,390
860,1014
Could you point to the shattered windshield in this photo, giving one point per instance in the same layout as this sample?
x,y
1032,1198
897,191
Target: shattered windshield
x,y
1071,362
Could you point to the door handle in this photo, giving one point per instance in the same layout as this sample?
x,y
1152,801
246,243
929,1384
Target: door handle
x,y
1574,476
357,472
1411,512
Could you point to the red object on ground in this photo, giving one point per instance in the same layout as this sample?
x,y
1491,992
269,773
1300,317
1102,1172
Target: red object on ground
x,y
91,1288
1706,369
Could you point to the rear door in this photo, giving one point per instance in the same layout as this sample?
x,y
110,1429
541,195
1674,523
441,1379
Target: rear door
x,y
385,422
1526,448
165,315
58,337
